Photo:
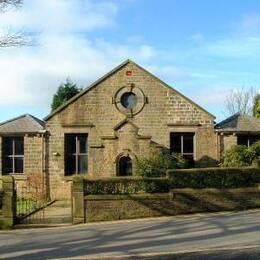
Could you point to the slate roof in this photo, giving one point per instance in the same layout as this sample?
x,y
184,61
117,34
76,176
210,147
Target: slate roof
x,y
22,124
239,123
60,108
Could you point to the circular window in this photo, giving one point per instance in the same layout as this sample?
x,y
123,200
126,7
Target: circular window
x,y
129,100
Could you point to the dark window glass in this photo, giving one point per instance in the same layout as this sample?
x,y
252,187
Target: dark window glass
x,y
183,143
71,144
129,100
7,165
125,166
247,140
13,155
188,143
76,154
70,164
176,143
8,146
19,146
82,144
18,165
82,164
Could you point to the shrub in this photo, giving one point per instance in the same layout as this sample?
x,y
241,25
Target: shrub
x,y
219,178
125,186
255,150
158,163
237,156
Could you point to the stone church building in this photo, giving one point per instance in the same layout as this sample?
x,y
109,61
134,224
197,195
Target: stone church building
x,y
126,114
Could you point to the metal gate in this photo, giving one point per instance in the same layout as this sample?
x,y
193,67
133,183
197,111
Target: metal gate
x,y
30,205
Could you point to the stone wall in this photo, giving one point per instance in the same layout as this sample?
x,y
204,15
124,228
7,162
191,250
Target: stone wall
x,y
182,201
111,133
33,159
226,141
33,154
8,203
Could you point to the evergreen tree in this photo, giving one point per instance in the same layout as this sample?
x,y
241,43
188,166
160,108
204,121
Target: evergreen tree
x,y
256,107
65,91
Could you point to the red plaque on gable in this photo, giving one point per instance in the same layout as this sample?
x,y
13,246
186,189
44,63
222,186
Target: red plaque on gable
x,y
128,73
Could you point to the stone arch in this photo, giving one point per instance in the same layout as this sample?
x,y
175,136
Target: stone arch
x,y
125,164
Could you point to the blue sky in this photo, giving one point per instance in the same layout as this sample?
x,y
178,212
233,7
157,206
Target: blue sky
x,y
202,48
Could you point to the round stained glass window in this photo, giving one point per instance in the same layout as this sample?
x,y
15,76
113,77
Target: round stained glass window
x,y
129,100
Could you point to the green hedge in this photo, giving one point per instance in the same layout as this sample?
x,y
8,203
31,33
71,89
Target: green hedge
x,y
126,186
219,178
1,199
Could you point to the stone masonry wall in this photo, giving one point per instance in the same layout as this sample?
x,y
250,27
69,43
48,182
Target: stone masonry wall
x,y
33,160
226,141
94,113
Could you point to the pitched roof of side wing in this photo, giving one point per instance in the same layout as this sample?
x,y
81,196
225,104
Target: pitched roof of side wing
x,y
239,123
94,84
23,124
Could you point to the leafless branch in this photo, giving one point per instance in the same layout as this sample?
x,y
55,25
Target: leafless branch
x,y
6,5
240,100
9,38
16,39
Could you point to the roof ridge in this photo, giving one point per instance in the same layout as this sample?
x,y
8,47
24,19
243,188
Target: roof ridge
x,y
86,89
109,74
12,119
228,119
39,121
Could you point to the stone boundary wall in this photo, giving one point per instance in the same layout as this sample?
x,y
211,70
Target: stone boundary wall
x,y
8,201
92,208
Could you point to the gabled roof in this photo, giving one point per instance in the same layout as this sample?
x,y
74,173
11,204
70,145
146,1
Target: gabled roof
x,y
239,123
108,75
22,124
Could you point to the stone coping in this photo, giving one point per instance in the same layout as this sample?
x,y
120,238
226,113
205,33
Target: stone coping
x,y
128,196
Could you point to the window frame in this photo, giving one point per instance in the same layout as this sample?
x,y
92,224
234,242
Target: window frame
x,y
181,134
77,153
249,139
13,156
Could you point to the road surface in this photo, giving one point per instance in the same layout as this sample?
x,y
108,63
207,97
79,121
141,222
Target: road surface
x,y
186,236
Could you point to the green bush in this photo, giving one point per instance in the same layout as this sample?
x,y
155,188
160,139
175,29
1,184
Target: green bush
x,y
126,186
1,199
237,156
255,151
219,178
158,163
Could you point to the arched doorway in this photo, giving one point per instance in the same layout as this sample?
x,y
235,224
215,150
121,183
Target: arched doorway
x,y
125,166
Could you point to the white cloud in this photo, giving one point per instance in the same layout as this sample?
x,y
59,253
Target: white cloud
x,y
61,16
234,47
31,75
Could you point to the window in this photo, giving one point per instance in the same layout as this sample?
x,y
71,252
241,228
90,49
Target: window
x,y
129,100
125,166
76,154
13,155
247,140
183,143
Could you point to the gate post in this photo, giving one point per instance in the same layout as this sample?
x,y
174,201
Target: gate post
x,y
9,202
78,204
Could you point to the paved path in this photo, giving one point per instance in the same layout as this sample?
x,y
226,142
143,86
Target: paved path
x,y
153,236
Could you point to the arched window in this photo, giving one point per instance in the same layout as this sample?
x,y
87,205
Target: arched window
x,y
125,166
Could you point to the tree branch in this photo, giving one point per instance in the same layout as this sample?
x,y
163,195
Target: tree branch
x,y
7,4
16,39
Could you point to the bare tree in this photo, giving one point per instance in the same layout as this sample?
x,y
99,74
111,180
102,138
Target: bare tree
x,y
8,4
13,39
240,101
